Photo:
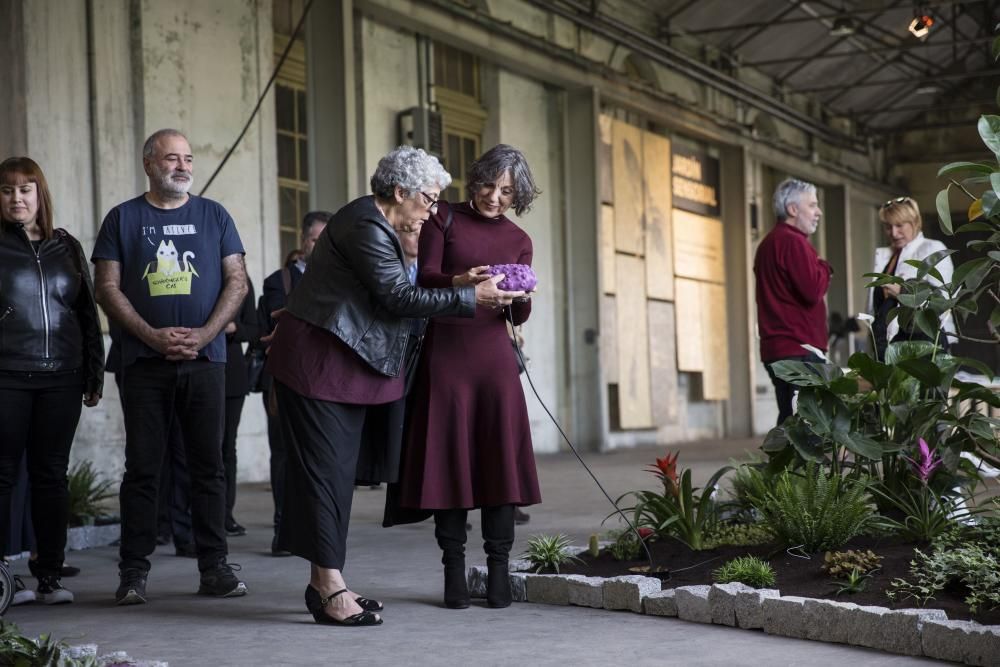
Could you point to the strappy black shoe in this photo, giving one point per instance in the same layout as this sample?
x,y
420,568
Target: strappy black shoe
x,y
313,601
359,619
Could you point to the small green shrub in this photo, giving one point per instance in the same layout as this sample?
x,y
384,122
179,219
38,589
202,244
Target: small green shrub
x,y
87,492
625,547
839,564
853,582
809,509
748,570
548,552
17,649
926,513
738,534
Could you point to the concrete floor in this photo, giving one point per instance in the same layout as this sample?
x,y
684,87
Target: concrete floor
x,y
401,566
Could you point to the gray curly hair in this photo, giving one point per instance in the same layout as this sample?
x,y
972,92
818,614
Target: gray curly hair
x,y
412,169
498,160
789,190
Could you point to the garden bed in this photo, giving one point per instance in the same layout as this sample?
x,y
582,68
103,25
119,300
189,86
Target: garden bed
x,y
795,575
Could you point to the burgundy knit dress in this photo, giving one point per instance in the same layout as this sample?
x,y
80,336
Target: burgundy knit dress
x,y
469,441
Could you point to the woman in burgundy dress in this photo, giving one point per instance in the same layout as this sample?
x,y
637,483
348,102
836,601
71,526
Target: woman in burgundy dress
x,y
469,440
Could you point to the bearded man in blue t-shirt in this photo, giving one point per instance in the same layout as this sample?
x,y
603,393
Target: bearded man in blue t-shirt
x,y
170,276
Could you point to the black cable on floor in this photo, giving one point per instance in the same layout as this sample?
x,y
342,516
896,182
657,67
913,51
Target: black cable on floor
x,y
260,100
649,556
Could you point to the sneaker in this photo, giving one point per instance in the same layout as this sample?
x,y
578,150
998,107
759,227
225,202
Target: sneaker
x,y
521,517
220,582
50,591
132,589
22,594
234,529
69,571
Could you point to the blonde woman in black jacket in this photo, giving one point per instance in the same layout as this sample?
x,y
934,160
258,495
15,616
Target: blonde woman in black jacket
x,y
51,360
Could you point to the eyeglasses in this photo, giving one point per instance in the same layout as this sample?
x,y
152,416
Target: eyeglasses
x,y
893,202
430,202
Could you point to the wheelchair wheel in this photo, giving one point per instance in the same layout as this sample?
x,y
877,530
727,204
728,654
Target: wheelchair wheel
x,y
6,588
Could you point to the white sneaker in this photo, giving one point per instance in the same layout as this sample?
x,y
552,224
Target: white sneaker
x,y
50,591
22,594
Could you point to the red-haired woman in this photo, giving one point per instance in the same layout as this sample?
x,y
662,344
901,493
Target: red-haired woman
x,y
51,360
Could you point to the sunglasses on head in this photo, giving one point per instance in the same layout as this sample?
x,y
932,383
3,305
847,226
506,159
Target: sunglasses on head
x,y
893,202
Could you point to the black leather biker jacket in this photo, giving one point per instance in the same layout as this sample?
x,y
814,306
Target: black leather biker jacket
x,y
356,288
48,316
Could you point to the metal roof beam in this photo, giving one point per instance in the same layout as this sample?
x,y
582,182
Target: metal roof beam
x,y
869,49
868,84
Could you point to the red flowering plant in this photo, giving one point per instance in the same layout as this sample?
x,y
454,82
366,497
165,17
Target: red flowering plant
x,y
679,511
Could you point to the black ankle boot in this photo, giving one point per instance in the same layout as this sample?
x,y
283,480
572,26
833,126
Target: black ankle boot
x,y
456,587
498,593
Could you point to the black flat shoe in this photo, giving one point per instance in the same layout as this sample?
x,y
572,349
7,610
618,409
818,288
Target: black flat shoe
x,y
314,601
363,618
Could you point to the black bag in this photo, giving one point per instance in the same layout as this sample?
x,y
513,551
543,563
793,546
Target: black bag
x,y
256,358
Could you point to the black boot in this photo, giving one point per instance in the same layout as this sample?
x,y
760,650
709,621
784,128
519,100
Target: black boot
x,y
449,529
498,537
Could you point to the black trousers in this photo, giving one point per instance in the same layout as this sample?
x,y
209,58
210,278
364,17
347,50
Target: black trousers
x,y
234,409
784,392
323,439
153,392
39,423
279,456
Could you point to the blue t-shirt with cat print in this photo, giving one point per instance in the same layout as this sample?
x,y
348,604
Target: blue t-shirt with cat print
x,y
171,266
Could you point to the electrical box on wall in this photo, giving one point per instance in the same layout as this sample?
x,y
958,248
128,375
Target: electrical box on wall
x,y
421,127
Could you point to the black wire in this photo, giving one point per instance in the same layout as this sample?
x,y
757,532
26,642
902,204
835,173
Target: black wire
x,y
649,556
260,100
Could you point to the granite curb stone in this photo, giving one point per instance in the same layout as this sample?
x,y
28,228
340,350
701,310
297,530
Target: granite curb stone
x,y
828,620
661,603
626,592
888,630
722,602
692,603
785,616
548,588
749,613
961,641
586,592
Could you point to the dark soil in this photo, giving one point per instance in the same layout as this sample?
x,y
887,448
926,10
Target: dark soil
x,y
795,575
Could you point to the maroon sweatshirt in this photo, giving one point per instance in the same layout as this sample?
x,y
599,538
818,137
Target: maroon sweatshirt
x,y
791,283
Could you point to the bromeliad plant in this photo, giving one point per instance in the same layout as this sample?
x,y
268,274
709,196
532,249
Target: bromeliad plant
x,y
679,511
548,552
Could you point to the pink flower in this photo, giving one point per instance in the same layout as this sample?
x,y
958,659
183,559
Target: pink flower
x,y
666,470
929,461
645,532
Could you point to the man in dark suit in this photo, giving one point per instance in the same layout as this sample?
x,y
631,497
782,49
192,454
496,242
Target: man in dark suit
x,y
277,287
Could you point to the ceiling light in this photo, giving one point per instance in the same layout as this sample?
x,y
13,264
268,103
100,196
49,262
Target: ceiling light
x,y
842,26
920,26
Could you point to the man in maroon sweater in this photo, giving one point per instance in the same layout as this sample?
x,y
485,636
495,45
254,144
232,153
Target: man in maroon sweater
x,y
791,283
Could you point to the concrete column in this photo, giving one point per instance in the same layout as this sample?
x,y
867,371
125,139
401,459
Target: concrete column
x,y
13,107
835,220
585,382
331,113
735,198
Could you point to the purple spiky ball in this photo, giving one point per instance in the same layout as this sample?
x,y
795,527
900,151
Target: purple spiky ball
x,y
517,277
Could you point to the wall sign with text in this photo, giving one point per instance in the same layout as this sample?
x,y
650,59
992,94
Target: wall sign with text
x,y
695,182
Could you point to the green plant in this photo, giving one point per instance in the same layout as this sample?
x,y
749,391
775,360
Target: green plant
x,y
737,534
852,582
87,491
679,511
748,570
926,513
548,552
841,563
594,546
20,651
811,510
625,546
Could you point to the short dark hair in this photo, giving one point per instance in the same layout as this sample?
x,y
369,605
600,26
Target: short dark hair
x,y
498,160
20,170
312,217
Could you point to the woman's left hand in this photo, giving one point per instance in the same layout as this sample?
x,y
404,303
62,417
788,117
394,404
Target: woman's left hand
x,y
891,290
92,399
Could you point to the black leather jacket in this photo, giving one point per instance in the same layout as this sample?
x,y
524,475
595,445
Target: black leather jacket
x,y
48,316
356,288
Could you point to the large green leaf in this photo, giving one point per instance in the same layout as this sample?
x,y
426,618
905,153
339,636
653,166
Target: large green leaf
x,y
959,167
990,204
816,411
976,392
775,440
845,386
989,130
860,444
944,210
924,370
975,227
928,322
995,181
976,268
808,446
870,369
910,349
806,373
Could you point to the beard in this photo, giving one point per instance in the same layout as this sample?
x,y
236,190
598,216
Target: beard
x,y
176,183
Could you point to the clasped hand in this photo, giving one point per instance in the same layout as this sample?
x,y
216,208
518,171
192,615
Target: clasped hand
x,y
179,343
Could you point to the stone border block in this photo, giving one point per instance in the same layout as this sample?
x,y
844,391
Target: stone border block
x,y
663,603
722,602
692,603
829,620
88,537
626,592
476,578
888,630
517,587
785,616
749,615
961,641
548,588
586,592
519,565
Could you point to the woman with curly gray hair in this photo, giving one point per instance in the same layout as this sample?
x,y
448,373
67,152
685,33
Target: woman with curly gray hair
x,y
468,442
339,350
